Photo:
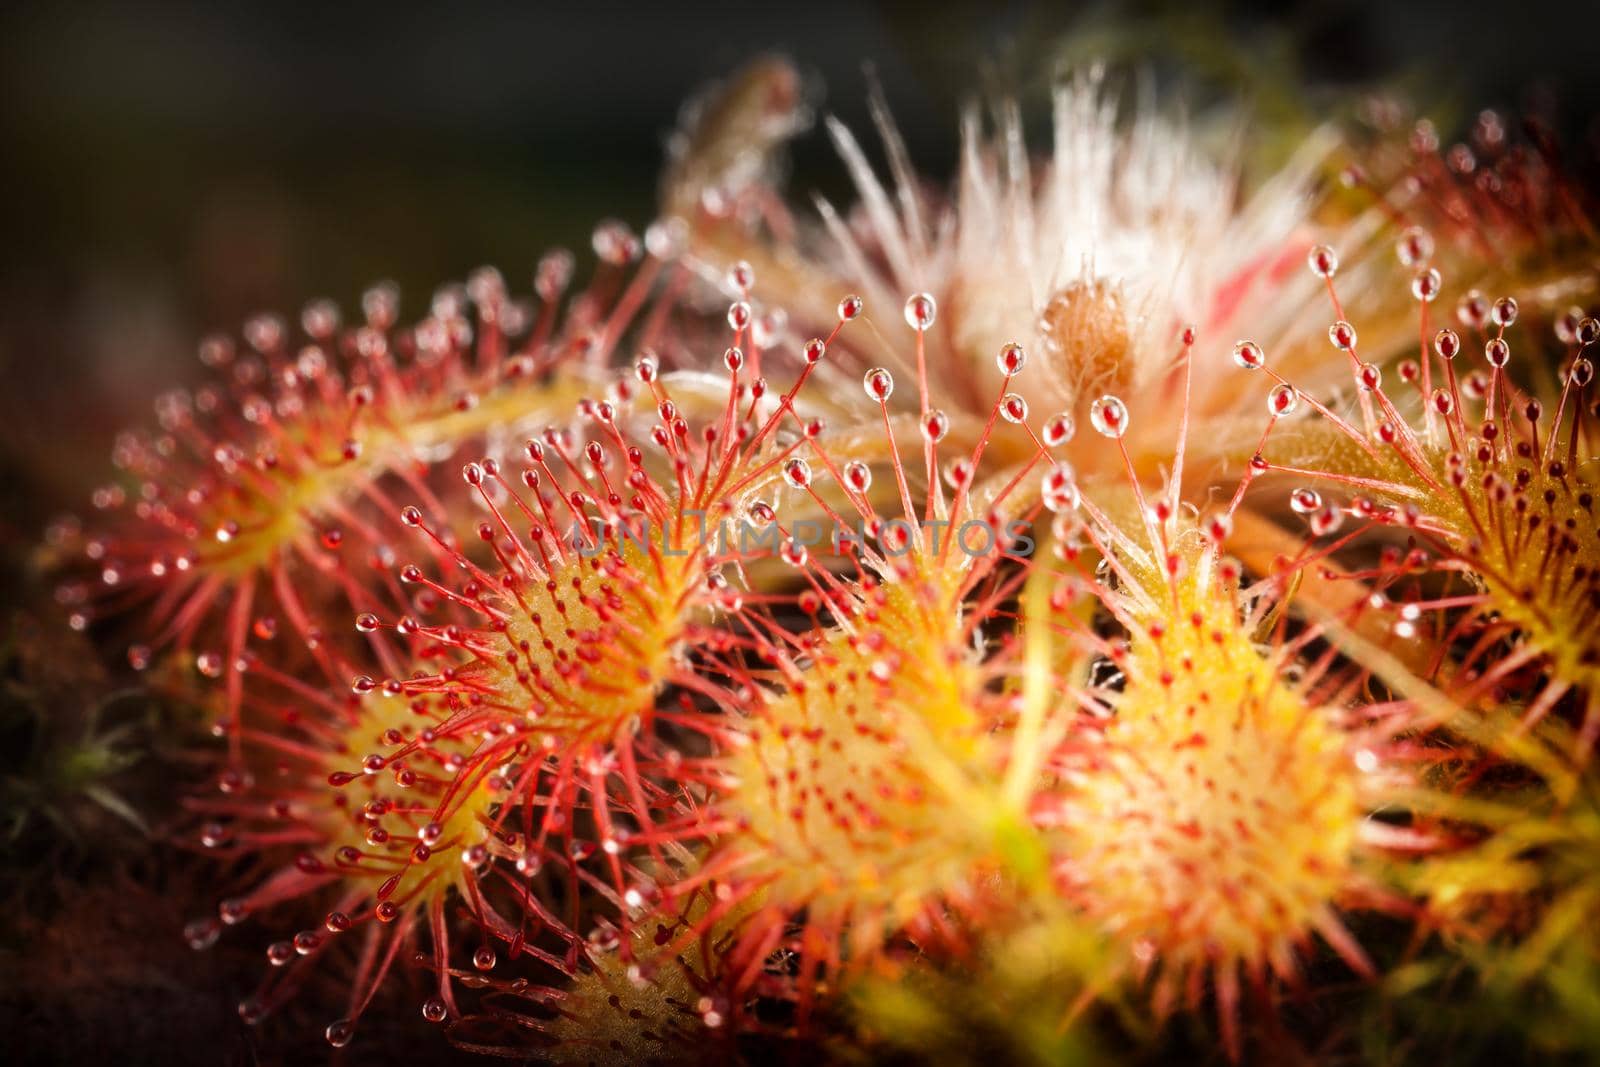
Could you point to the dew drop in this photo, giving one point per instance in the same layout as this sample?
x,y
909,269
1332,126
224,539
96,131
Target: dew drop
x,y
1305,501
1109,416
797,472
1414,247
1282,400
1249,356
340,1032
1058,489
1011,359
1504,312
1472,310
1447,344
1013,408
958,473
1323,261
1425,286
920,311
201,934
878,383
1326,521
1058,430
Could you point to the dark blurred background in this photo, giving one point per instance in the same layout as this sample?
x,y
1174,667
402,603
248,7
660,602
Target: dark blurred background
x,y
168,169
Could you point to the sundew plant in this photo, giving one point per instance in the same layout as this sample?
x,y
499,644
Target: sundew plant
x,y
1110,602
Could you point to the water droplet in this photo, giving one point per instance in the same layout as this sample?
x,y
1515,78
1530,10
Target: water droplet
x,y
201,934
1013,407
1011,359
1305,501
1323,261
878,383
340,1032
1472,310
1447,344
920,311
1282,400
1414,247
615,243
1249,356
1109,416
1058,430
1497,352
1326,521
1504,312
1343,335
849,308
935,426
1058,489
1425,286
797,472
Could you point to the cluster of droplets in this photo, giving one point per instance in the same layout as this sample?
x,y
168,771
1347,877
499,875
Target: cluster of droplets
x,y
261,503
1484,484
